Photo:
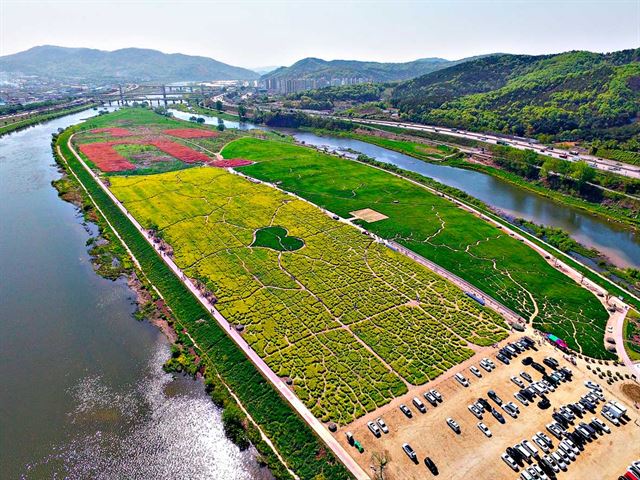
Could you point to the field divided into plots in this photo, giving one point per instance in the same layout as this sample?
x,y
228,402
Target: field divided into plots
x,y
438,230
349,321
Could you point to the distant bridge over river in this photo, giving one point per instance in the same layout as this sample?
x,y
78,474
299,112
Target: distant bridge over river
x,y
160,94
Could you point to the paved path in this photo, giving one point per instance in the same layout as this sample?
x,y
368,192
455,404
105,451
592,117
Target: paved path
x,y
264,369
617,322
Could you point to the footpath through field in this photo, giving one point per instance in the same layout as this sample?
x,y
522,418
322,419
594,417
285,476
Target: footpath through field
x,y
276,381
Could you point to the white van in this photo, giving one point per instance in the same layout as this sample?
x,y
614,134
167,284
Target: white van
x,y
462,380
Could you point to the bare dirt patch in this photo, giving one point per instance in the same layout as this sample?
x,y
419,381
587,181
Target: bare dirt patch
x,y
631,391
368,215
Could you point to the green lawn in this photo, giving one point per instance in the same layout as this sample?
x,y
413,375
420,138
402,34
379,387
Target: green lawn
x,y
276,238
439,231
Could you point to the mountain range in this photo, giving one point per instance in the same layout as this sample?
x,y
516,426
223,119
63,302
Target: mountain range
x,y
578,92
125,65
317,69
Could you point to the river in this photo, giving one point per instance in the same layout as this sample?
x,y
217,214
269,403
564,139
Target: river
x,y
83,391
619,243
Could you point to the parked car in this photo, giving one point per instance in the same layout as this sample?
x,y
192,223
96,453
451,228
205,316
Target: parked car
x,y
510,461
475,371
484,429
404,409
436,394
419,405
430,398
489,362
526,376
602,425
521,399
485,366
411,453
592,385
494,396
474,410
382,425
498,416
431,465
503,359
454,425
517,381
512,413
462,380
374,429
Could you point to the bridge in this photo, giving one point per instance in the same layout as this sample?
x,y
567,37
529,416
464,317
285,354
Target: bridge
x,y
161,94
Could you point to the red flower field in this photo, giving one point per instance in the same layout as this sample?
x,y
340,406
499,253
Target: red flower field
x,y
113,131
190,133
181,152
230,163
105,157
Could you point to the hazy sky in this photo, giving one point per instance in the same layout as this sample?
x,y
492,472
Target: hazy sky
x,y
259,33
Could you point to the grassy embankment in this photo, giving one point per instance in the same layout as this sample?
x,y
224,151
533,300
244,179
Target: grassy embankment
x,y
422,152
631,335
196,109
303,451
27,122
439,231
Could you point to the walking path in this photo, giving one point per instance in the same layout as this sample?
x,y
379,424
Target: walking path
x,y
264,369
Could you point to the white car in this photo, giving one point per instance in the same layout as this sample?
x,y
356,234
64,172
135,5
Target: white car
x,y
541,443
382,425
559,460
475,371
611,418
484,429
462,380
375,429
601,424
473,409
517,381
510,461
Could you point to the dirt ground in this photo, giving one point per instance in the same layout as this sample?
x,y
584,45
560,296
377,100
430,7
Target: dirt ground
x,y
471,454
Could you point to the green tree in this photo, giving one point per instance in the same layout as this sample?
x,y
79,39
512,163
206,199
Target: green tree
x,y
219,105
220,126
582,173
242,111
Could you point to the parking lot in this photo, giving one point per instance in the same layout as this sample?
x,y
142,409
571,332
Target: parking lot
x,y
471,454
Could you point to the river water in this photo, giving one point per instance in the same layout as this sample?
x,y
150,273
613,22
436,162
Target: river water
x,y
83,392
620,244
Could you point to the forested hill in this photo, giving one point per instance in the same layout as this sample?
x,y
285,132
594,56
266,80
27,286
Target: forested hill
x,y
571,95
129,65
316,69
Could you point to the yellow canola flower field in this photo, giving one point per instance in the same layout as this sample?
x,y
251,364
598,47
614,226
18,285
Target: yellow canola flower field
x,y
350,321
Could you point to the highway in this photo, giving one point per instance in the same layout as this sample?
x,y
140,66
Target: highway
x,y
627,170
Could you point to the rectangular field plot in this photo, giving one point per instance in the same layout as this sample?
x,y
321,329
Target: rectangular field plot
x,y
348,320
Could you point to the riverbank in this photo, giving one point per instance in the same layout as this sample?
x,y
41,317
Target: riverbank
x,y
19,125
417,150
219,356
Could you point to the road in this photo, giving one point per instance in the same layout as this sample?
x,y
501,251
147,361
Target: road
x,y
612,166
264,369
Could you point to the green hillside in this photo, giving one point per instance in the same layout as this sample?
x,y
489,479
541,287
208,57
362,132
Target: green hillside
x,y
569,95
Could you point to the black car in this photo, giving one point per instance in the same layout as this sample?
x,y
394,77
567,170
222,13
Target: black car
x,y
486,405
498,416
546,467
592,431
431,466
503,359
526,394
516,455
544,404
560,419
575,410
506,353
549,363
588,405
577,439
527,377
597,427
526,361
536,366
494,396
567,373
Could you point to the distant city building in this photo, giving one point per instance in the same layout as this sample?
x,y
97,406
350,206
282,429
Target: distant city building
x,y
293,85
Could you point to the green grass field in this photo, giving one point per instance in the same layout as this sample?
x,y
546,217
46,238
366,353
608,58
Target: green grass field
x,y
344,317
438,230
276,238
